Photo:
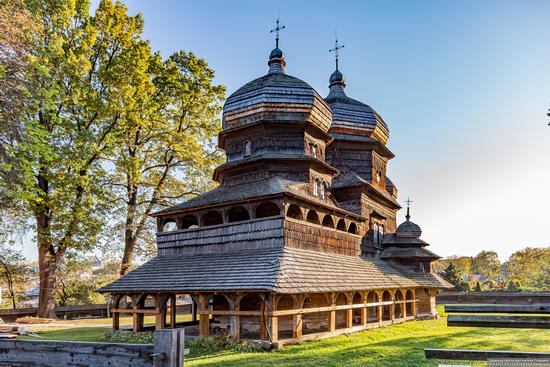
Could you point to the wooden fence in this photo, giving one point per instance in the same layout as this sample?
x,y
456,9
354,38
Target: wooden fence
x,y
514,298
72,312
167,351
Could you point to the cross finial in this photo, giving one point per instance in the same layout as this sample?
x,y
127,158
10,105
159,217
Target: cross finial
x,y
408,202
335,49
277,29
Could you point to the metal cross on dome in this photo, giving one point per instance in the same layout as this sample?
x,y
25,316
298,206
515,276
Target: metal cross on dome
x,y
335,50
277,29
408,202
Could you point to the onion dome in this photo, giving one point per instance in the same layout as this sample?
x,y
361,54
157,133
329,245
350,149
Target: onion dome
x,y
352,117
408,229
278,97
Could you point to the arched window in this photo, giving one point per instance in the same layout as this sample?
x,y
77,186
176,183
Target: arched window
x,y
189,221
352,228
268,209
327,221
323,189
237,214
212,218
247,148
312,217
380,234
341,225
313,148
169,226
316,186
375,233
294,211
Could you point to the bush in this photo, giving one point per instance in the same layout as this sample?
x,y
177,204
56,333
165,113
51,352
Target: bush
x,y
213,343
129,337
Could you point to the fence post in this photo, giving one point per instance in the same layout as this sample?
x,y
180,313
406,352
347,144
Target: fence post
x,y
169,348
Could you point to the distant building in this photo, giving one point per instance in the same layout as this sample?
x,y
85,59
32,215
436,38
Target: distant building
x,y
300,239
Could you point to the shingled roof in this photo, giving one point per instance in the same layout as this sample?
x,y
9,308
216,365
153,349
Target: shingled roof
x,y
282,271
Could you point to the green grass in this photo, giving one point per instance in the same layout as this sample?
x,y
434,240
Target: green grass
x,y
398,345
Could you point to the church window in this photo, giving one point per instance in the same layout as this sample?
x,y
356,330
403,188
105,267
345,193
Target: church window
x,y
313,148
316,182
247,148
322,188
378,176
375,232
380,234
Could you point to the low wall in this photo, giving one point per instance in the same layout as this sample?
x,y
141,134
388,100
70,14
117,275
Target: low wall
x,y
167,351
515,298
58,353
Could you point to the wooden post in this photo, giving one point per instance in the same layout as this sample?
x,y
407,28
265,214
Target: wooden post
x,y
331,321
297,326
169,348
116,321
204,322
263,320
274,329
193,311
349,318
380,309
173,311
413,308
363,316
392,307
161,302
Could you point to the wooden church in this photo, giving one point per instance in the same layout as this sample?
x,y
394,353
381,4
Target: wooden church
x,y
299,240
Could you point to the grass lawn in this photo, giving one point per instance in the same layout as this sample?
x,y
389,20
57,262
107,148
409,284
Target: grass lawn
x,y
398,345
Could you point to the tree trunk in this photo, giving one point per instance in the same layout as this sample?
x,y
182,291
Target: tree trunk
x,y
47,265
129,244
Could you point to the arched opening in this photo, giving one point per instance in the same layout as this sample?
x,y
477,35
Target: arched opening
x,y
169,225
316,184
409,305
124,303
352,228
342,299
312,217
323,189
247,151
268,209
327,221
398,307
237,214
294,211
285,322
386,309
372,312
250,325
220,324
189,221
212,218
357,299
341,225
315,322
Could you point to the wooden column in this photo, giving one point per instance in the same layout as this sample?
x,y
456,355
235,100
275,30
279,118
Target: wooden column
x,y
380,308
297,326
161,306
193,311
413,308
137,318
349,318
204,322
274,329
235,320
263,319
392,307
363,316
331,298
116,321
173,311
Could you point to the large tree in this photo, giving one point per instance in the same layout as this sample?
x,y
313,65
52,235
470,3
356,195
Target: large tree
x,y
13,269
167,150
530,267
88,72
487,264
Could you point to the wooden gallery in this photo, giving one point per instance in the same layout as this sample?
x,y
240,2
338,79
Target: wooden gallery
x,y
299,240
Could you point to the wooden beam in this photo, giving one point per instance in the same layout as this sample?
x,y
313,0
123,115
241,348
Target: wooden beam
x,y
204,322
297,326
530,309
528,322
148,311
231,313
331,321
329,308
481,355
274,329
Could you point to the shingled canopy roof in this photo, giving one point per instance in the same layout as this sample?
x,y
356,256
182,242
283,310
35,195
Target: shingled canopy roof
x,y
282,271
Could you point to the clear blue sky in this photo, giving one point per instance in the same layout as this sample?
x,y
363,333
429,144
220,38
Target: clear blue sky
x,y
463,85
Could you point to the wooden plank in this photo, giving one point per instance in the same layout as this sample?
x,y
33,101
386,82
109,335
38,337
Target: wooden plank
x,y
532,322
481,355
531,309
230,313
129,310
329,308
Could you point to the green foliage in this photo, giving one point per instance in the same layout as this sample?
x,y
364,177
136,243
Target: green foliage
x,y
13,271
224,342
453,276
486,264
513,286
130,337
530,267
